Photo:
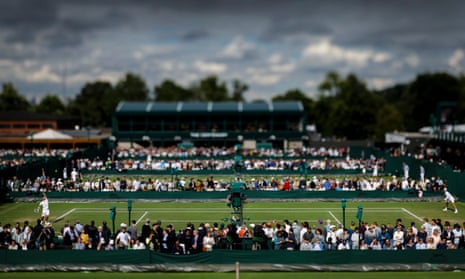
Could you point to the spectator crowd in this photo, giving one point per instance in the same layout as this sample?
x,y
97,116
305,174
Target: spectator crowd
x,y
293,236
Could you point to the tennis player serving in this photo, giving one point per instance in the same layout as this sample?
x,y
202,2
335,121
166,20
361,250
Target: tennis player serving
x,y
45,209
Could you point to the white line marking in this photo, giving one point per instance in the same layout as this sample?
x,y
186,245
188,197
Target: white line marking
x,y
254,210
332,215
66,213
245,208
142,217
411,214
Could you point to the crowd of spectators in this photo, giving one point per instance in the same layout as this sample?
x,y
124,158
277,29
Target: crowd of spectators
x,y
273,235
71,178
136,183
158,158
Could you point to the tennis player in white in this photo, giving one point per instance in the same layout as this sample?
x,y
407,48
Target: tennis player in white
x,y
45,208
449,199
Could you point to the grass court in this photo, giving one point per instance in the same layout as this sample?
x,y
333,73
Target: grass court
x,y
179,213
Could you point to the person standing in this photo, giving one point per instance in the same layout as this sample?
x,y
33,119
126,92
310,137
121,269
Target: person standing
x,y
449,199
406,169
45,209
133,231
123,238
146,229
422,174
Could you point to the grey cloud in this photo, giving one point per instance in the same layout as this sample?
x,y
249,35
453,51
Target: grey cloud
x,y
52,31
194,35
279,30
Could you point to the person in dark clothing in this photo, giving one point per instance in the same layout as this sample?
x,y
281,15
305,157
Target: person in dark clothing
x,y
5,236
146,229
36,231
185,239
92,230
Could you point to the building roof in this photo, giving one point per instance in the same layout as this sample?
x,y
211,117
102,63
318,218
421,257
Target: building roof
x,y
154,107
49,134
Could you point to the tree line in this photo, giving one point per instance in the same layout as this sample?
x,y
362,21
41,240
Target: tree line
x,y
345,107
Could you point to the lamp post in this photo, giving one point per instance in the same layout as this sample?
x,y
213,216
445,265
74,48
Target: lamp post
x,y
343,205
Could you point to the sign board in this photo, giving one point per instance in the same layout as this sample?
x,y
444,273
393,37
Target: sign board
x,y
249,144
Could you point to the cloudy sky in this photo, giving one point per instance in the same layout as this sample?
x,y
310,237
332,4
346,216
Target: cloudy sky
x,y
57,46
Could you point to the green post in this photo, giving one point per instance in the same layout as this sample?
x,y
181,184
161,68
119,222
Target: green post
x,y
343,205
112,218
359,217
129,211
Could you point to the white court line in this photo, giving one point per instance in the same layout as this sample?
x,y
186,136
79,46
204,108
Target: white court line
x,y
245,208
256,210
335,218
141,217
411,214
66,213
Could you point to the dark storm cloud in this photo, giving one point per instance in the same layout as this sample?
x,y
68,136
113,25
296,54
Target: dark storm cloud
x,y
291,26
402,37
411,25
56,23
22,21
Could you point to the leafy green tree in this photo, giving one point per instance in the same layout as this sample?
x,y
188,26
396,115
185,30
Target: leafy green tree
x,y
92,106
393,94
460,113
423,95
210,89
349,111
170,91
131,88
298,95
11,100
51,104
238,91
388,119
321,110
330,86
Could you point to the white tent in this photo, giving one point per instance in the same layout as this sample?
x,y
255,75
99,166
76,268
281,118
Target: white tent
x,y
49,134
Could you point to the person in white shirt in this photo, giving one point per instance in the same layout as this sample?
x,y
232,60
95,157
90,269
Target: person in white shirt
x,y
331,238
398,238
45,209
449,199
427,226
123,238
420,245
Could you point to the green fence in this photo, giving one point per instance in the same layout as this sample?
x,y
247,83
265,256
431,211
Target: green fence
x,y
252,194
455,180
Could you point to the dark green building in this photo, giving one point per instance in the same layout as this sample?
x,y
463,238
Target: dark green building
x,y
280,124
